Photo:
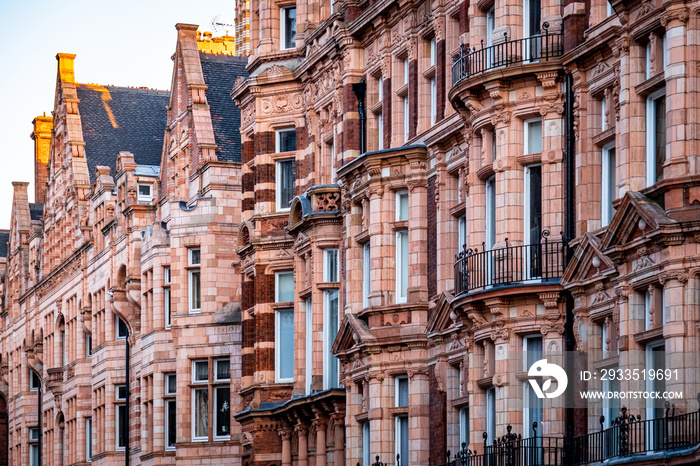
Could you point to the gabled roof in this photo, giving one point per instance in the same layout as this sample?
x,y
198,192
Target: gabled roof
x,y
118,119
440,318
220,73
581,266
353,331
624,226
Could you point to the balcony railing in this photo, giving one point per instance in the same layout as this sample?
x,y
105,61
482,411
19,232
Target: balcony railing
x,y
541,262
540,47
629,435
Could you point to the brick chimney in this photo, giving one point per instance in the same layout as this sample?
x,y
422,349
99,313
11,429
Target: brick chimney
x,y
42,147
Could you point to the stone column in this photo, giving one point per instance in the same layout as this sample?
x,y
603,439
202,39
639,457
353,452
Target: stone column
x,y
338,440
320,441
417,234
302,433
419,421
286,447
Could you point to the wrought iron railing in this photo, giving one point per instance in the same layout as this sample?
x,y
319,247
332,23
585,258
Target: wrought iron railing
x,y
544,46
512,450
542,261
629,435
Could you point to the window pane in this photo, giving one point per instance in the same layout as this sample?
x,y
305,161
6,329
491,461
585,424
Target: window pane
x,y
463,427
290,27
365,274
121,426
166,273
285,183
401,206
402,426
331,265
332,331
196,299
402,245
286,343
171,384
533,351
223,369
166,299
223,411
201,371
201,413
88,438
402,391
123,330
491,415
34,454
145,190
287,140
121,392
535,207
285,287
171,423
660,137
365,443
534,137
195,256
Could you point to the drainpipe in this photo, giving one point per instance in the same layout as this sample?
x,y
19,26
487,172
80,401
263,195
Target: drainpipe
x,y
128,396
570,340
41,427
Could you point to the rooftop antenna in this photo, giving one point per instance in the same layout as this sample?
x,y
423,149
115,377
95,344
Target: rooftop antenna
x,y
217,26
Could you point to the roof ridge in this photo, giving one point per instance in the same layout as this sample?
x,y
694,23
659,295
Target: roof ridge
x,y
128,88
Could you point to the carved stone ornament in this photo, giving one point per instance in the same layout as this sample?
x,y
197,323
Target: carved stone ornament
x,y
600,294
643,261
282,103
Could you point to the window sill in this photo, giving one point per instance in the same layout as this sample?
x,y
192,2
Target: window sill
x,y
195,311
328,286
402,91
283,305
605,363
605,136
430,72
527,159
377,108
201,439
651,85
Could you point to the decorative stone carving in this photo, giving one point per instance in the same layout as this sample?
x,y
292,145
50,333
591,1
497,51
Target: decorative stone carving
x,y
282,103
643,261
600,294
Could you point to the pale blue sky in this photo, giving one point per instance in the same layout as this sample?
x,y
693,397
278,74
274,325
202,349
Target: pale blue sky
x,y
122,43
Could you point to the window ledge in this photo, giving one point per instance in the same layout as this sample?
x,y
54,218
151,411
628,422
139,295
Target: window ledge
x,y
527,159
328,285
486,382
461,401
283,305
362,237
362,417
610,361
402,91
651,85
605,137
398,410
484,172
400,225
377,108
649,335
430,72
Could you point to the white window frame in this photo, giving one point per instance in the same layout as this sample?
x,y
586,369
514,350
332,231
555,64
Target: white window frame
x,y
604,336
194,267
401,257
606,197
277,138
194,413
166,388
278,354
328,359
490,414
603,109
461,232
32,387
88,439
309,346
380,131
406,124
194,380
649,384
647,55
526,135
277,285
328,256
143,198
366,432
283,27
366,282
608,8
332,150
405,70
117,417
433,100
397,383
463,427
118,336
216,413
88,345
651,136
397,437
490,26
34,446
526,211
401,194
490,217
527,422
167,304
216,372
278,189
168,402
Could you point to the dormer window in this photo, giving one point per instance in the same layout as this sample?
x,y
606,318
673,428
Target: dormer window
x,y
145,192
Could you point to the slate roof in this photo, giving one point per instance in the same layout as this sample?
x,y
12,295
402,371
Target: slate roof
x,y
4,239
118,119
36,210
220,73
